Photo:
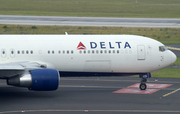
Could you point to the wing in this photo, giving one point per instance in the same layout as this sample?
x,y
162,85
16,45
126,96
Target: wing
x,y
12,69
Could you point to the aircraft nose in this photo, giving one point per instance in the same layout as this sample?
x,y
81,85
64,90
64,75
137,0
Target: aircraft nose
x,y
173,57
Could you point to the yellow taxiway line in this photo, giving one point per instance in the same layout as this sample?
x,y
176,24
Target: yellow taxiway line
x,y
171,92
173,48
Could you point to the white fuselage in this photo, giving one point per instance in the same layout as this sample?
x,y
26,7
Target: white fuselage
x,y
100,53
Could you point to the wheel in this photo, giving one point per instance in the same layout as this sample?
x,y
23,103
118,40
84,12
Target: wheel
x,y
142,86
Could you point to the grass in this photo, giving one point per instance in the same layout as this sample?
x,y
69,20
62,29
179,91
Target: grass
x,y
94,8
166,73
164,35
177,62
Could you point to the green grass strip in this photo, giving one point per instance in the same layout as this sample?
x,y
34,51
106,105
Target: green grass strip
x,y
164,35
177,62
93,8
166,73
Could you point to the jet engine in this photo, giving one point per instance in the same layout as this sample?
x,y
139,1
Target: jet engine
x,y
37,80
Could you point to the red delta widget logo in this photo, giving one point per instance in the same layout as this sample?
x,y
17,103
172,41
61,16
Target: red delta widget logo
x,y
81,46
103,45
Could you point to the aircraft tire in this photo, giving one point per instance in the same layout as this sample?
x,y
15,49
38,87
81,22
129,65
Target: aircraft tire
x,y
142,86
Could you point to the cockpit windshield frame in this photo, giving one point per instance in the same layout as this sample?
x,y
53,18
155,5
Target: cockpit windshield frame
x,y
162,48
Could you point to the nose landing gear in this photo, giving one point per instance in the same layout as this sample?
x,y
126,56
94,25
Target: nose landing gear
x,y
144,77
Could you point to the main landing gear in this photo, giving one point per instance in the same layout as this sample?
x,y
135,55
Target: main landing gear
x,y
144,77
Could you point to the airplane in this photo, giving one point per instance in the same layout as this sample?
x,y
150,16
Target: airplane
x,y
38,61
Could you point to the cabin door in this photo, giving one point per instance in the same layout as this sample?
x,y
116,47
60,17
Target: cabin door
x,y
141,52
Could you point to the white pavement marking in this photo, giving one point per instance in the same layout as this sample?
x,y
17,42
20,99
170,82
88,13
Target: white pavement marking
x,y
55,110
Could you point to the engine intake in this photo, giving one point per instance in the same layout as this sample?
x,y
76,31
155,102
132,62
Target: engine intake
x,y
38,80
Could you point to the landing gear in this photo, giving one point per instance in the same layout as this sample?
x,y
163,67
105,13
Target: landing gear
x,y
143,80
144,77
142,86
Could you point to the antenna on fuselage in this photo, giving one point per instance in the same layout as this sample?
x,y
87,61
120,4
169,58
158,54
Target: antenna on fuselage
x,y
66,33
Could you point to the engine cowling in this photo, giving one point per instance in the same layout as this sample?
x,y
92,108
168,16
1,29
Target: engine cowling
x,y
37,80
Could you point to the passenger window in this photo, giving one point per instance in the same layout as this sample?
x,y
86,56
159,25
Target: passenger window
x,y
101,51
109,51
122,51
80,51
113,51
117,51
88,51
18,52
92,51
67,51
72,51
97,51
22,52
59,51
40,52
84,51
12,52
126,52
31,52
27,52
52,52
130,51
63,52
48,52
105,51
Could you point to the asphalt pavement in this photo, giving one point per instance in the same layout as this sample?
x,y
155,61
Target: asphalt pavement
x,y
90,21
92,95
174,48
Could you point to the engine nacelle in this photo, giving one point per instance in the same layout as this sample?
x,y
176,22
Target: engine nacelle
x,y
38,80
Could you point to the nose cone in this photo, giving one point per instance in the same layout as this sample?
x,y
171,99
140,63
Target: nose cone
x,y
173,57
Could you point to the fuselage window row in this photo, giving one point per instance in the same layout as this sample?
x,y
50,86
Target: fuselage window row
x,y
18,52
68,52
23,52
105,51
63,52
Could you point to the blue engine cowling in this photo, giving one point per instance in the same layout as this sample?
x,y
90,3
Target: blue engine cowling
x,y
44,79
37,80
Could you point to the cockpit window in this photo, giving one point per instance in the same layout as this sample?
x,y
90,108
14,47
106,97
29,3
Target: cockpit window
x,y
162,48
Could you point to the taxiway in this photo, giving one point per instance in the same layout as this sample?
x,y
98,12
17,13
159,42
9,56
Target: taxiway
x,y
90,21
93,95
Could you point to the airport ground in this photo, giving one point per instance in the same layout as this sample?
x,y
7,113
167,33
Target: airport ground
x,y
93,95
